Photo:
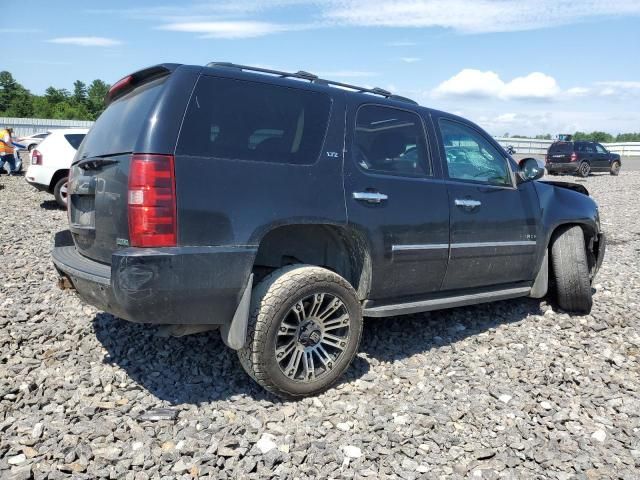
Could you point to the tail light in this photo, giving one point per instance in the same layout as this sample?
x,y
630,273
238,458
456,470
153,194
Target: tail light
x,y
36,157
574,157
152,201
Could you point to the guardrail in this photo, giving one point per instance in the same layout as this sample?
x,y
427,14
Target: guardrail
x,y
23,127
536,146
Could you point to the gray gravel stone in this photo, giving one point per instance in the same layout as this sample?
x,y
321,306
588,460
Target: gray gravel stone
x,y
515,389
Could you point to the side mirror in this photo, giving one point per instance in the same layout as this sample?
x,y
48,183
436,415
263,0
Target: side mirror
x,y
531,169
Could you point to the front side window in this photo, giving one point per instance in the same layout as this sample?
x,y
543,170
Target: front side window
x,y
390,140
600,148
470,156
240,120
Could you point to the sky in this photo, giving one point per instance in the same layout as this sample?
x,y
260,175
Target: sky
x,y
513,66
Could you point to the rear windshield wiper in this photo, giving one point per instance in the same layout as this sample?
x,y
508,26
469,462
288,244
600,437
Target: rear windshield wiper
x,y
95,163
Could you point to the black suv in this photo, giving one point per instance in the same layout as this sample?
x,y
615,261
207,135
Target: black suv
x,y
581,158
284,208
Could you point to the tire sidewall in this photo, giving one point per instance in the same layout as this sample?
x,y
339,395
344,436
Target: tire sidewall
x,y
584,166
56,192
615,168
297,388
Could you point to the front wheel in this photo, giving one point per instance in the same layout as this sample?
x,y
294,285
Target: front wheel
x,y
615,169
304,330
571,270
584,169
60,191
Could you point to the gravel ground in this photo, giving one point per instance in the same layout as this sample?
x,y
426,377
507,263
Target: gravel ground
x,y
514,389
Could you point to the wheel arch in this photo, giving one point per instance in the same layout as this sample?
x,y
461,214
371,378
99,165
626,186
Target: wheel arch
x,y
335,247
591,240
61,173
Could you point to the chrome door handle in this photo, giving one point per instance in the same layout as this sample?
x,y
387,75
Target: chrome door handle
x,y
371,197
467,203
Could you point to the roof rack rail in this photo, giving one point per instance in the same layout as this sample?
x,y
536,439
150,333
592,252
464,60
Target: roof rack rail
x,y
313,79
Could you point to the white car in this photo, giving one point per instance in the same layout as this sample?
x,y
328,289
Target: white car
x,y
32,141
51,160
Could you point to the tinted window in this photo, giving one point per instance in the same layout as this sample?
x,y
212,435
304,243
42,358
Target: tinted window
x,y
75,139
600,148
41,135
390,140
471,156
561,147
589,148
235,119
118,128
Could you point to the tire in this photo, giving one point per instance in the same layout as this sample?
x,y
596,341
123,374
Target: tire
x,y
283,309
571,270
31,147
615,168
60,192
584,169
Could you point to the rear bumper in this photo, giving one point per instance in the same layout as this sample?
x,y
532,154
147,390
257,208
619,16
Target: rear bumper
x,y
562,167
39,176
181,285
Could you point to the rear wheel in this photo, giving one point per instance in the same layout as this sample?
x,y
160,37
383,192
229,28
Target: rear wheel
x,y
615,168
60,191
304,331
31,147
571,270
584,169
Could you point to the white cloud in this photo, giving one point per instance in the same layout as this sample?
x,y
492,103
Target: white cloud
x,y
86,41
410,59
471,83
535,122
475,16
227,29
487,84
578,91
618,88
536,85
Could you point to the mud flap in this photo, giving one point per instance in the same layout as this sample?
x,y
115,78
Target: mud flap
x,y
234,334
541,284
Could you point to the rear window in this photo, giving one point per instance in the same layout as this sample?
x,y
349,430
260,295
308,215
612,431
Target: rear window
x,y
75,139
561,147
118,128
235,119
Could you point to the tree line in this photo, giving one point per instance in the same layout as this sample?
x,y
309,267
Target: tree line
x,y
83,103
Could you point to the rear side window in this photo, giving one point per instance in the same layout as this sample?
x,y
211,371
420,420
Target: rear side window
x,y
235,119
561,147
390,140
74,139
118,128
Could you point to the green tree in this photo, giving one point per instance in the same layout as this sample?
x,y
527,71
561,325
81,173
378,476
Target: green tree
x,y
594,136
56,95
96,93
79,92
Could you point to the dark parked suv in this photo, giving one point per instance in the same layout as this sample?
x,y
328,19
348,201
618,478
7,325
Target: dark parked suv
x,y
581,158
284,210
